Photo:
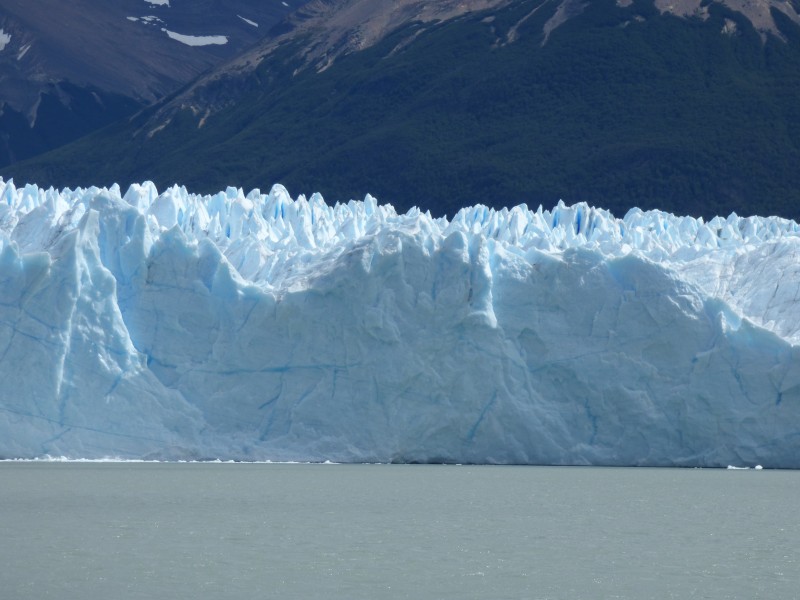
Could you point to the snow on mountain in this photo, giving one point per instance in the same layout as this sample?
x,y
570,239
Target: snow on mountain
x,y
197,40
259,327
120,46
328,30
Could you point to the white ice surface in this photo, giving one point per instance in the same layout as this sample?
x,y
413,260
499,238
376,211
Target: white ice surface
x,y
259,327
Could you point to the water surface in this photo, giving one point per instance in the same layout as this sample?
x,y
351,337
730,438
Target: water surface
x,y
124,531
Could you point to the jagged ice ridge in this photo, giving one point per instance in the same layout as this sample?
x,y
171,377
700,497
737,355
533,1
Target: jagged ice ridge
x,y
179,326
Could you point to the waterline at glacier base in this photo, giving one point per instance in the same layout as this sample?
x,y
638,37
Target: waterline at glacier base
x,y
176,326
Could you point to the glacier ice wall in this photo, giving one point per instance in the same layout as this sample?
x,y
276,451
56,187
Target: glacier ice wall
x,y
259,327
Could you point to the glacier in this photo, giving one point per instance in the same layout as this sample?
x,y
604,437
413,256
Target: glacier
x,y
178,326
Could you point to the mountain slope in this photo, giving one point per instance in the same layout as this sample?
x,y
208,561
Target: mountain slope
x,y
514,101
82,64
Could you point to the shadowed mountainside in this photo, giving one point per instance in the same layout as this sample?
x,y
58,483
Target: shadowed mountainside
x,y
67,68
514,101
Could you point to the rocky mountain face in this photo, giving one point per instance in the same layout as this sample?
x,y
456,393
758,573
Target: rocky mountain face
x,y
67,68
686,105
326,30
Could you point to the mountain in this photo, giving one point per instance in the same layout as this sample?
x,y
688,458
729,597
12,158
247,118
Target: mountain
x,y
67,68
177,326
686,106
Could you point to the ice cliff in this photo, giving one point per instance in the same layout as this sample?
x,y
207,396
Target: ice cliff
x,y
259,327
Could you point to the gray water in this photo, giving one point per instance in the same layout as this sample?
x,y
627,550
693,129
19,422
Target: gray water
x,y
173,531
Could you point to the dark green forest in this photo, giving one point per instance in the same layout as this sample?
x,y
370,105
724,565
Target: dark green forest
x,y
621,107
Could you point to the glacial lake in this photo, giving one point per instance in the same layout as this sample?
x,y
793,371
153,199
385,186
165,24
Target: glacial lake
x,y
197,531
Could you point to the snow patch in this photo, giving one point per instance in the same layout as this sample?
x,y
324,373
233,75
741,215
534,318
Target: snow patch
x,y
5,39
248,21
197,40
149,19
158,2
23,51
